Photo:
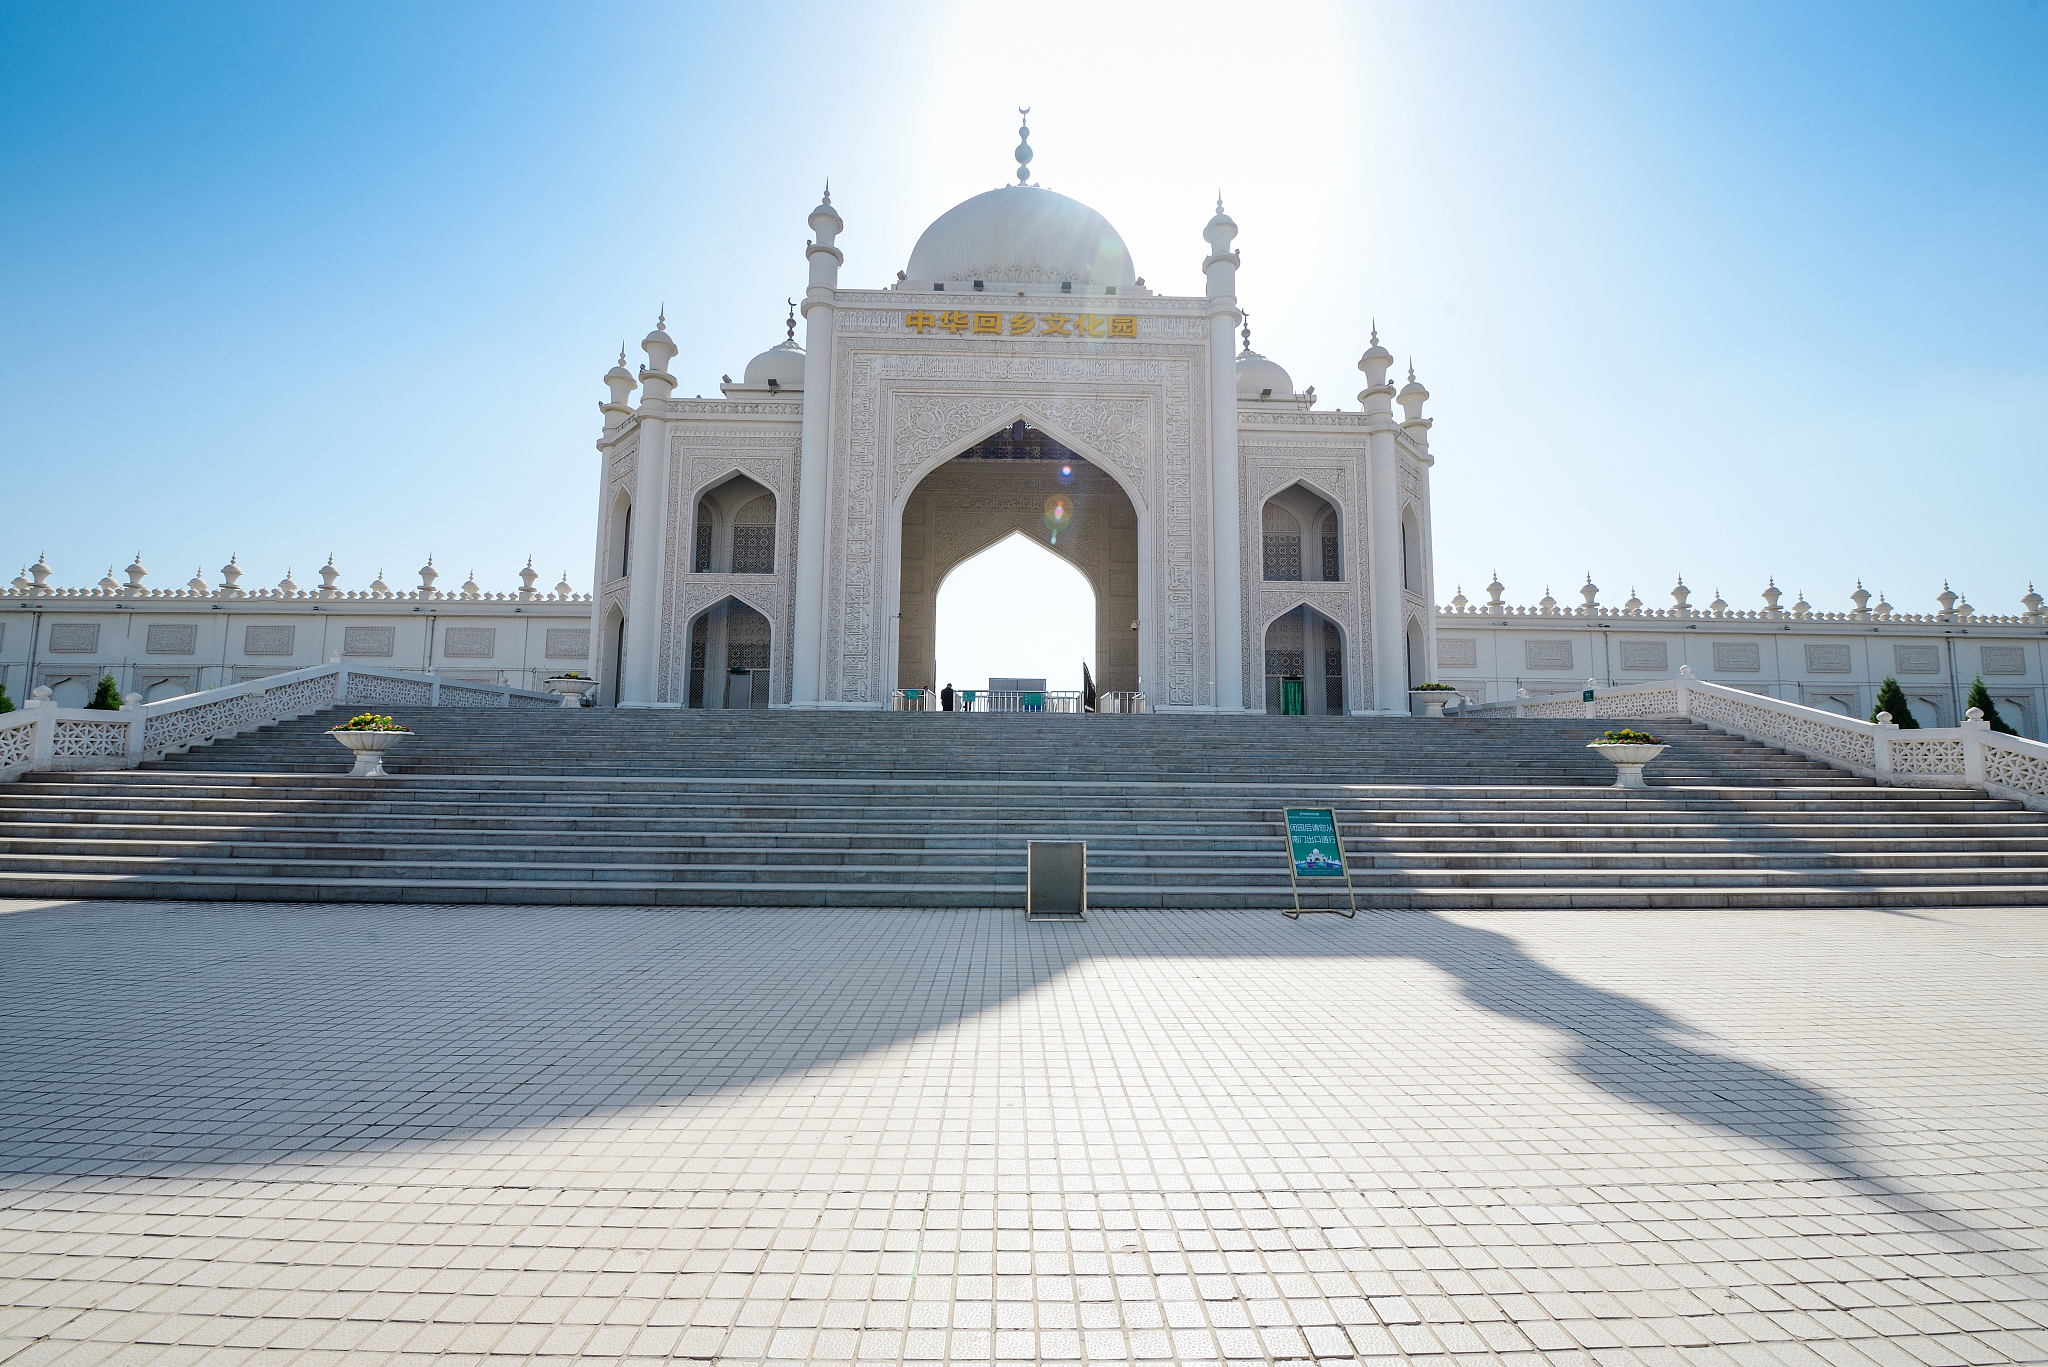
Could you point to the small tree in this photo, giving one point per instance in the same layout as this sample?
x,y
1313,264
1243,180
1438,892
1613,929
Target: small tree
x,y
1892,698
6,703
1980,697
108,699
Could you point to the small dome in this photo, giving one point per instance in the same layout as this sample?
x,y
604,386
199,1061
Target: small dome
x,y
1022,235
1255,373
782,363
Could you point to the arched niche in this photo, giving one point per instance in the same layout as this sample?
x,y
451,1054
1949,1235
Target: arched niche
x,y
735,529
1031,611
731,645
1301,537
1416,646
611,657
618,549
1412,572
1305,646
1000,485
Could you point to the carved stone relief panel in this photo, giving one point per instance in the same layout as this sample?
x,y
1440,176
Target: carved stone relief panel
x,y
268,639
166,638
1651,655
469,643
376,643
1913,659
568,643
74,638
2001,660
1457,652
1548,653
1737,657
1827,658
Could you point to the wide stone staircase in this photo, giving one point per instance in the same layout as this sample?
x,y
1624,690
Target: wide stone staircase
x,y
934,810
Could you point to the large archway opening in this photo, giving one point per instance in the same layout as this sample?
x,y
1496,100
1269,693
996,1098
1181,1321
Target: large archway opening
x,y
1014,611
1020,483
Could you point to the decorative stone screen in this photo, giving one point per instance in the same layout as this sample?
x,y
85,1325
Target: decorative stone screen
x,y
469,643
1553,654
1737,657
568,643
74,638
1283,557
1457,652
753,550
268,640
700,562
2002,660
1645,655
1827,659
369,642
1916,659
171,639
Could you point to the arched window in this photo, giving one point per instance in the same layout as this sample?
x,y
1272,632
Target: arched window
x,y
1411,552
1301,536
735,529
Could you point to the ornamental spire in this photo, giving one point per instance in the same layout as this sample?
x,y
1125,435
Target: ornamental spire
x,y
1024,145
1246,315
792,323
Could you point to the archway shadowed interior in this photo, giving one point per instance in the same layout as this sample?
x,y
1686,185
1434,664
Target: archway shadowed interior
x,y
1021,480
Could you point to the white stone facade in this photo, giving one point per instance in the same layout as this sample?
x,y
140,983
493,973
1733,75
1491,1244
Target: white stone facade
x,y
164,642
1025,317
1835,660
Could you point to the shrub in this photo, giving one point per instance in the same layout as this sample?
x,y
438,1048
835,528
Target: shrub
x,y
6,703
1433,688
1626,737
1892,698
1980,697
369,721
108,698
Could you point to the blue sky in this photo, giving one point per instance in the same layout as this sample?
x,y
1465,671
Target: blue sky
x,y
1732,291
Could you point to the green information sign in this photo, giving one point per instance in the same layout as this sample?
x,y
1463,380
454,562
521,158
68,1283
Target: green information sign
x,y
1314,850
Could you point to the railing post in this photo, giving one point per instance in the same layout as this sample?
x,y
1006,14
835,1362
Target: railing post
x,y
132,711
433,690
1684,682
44,746
1974,729
1881,746
340,680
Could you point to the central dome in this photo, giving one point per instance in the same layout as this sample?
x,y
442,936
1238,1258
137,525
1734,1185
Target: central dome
x,y
1022,235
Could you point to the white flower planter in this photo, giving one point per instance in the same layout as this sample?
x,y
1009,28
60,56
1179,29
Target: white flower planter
x,y
1432,699
572,690
370,747
1628,761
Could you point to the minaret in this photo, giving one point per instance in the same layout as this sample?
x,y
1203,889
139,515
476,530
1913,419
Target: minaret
x,y
1383,531
640,685
1224,493
807,628
621,383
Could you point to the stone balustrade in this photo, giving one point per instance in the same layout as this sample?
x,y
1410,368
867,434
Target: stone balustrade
x,y
1970,755
42,737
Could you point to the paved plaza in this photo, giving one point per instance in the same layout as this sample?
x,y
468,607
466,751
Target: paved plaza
x,y
241,1133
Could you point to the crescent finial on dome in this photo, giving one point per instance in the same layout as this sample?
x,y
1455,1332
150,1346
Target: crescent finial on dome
x,y
1024,145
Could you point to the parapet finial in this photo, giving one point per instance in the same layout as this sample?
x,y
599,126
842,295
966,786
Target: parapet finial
x,y
1219,200
828,189
1375,332
661,319
1411,380
622,353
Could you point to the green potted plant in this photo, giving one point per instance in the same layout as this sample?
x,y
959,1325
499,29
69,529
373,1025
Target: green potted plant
x,y
1629,751
370,736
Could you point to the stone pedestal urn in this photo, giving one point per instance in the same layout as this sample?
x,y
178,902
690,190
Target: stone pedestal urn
x,y
572,690
370,747
1628,761
1431,699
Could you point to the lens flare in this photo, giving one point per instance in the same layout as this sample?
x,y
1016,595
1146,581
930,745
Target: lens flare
x,y
1066,472
1058,513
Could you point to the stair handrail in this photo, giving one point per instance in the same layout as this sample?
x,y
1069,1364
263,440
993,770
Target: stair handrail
x,y
42,737
1971,755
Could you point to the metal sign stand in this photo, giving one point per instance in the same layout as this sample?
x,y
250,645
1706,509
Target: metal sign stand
x,y
1294,878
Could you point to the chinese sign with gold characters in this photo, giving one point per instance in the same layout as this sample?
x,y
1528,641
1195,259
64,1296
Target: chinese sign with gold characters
x,y
957,321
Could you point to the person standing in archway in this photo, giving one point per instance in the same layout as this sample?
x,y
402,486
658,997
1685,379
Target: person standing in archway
x,y
946,698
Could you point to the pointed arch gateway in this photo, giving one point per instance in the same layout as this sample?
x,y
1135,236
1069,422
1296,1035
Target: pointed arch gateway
x,y
729,664
1305,652
1021,479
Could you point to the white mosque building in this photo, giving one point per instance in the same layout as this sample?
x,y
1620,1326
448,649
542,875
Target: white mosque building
x,y
784,543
